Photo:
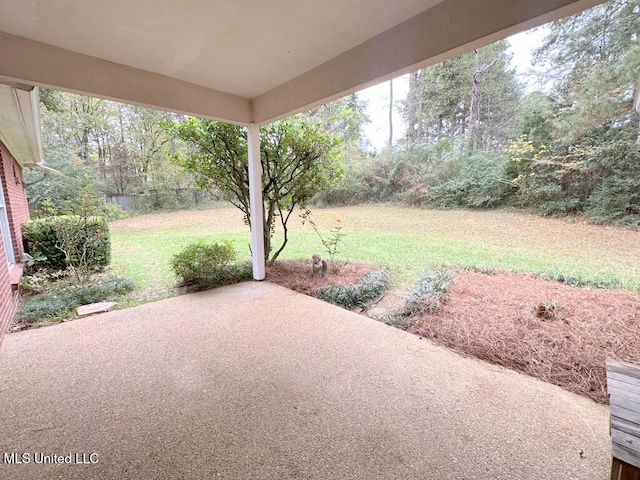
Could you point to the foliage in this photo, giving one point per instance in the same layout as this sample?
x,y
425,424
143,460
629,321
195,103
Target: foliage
x,y
332,240
430,292
59,302
343,118
480,183
113,147
427,174
579,150
601,179
69,240
112,212
579,281
439,101
371,287
298,160
205,265
40,280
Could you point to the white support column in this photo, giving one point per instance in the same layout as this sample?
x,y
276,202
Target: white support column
x,y
255,198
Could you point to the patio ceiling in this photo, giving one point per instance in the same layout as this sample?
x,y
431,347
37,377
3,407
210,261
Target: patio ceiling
x,y
246,61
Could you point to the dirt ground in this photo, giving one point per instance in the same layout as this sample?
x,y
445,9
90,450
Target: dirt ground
x,y
499,318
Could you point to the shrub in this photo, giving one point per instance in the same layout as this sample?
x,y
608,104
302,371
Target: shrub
x,y
206,265
112,212
614,200
91,240
61,301
355,295
430,292
481,183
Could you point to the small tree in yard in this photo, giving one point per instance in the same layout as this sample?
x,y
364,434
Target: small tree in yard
x,y
298,160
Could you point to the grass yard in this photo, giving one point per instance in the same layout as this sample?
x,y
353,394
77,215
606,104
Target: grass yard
x,y
404,240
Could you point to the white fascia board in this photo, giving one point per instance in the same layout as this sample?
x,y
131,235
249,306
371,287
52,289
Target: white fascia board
x,y
28,62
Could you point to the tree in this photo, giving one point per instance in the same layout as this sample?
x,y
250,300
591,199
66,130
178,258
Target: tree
x,y
298,160
122,149
342,118
390,144
595,59
474,95
592,161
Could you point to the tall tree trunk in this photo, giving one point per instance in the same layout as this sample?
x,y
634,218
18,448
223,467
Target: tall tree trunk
x,y
476,96
474,110
390,113
412,109
326,116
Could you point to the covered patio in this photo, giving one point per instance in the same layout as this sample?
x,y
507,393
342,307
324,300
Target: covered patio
x,y
253,380
257,381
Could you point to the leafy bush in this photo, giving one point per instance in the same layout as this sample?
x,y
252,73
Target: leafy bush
x,y
481,183
599,176
355,295
615,200
206,265
441,174
61,301
44,237
112,212
430,292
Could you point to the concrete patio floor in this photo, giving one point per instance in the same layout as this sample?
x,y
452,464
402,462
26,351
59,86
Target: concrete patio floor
x,y
254,381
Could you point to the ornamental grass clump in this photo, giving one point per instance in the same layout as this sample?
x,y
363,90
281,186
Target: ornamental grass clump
x,y
430,292
354,295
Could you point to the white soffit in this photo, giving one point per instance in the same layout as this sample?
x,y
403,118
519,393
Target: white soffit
x,y
242,47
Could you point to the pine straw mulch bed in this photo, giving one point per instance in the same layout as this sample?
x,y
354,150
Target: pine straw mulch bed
x,y
296,275
492,317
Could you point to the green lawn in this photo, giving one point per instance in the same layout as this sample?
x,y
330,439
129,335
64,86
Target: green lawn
x,y
405,240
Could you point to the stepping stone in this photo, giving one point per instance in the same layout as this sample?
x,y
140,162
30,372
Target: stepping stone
x,y
92,308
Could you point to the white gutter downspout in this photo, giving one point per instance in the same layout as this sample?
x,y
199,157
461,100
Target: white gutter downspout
x,y
255,202
28,101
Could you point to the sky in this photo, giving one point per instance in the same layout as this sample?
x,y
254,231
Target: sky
x,y
377,132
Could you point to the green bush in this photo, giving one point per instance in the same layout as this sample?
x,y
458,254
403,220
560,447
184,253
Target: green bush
x,y
615,200
355,295
61,301
206,265
481,183
430,292
112,212
44,239
442,174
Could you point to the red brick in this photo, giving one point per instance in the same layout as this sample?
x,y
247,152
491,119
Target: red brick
x,y
15,199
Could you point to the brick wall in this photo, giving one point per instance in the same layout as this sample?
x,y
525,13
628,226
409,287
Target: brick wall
x,y
17,205
8,298
17,212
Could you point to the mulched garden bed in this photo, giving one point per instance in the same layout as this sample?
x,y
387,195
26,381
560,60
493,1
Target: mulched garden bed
x,y
493,317
296,275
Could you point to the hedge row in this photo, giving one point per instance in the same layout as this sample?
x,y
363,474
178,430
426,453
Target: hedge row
x,y
42,240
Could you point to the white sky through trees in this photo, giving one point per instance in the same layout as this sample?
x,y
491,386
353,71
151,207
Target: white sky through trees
x,y
377,132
